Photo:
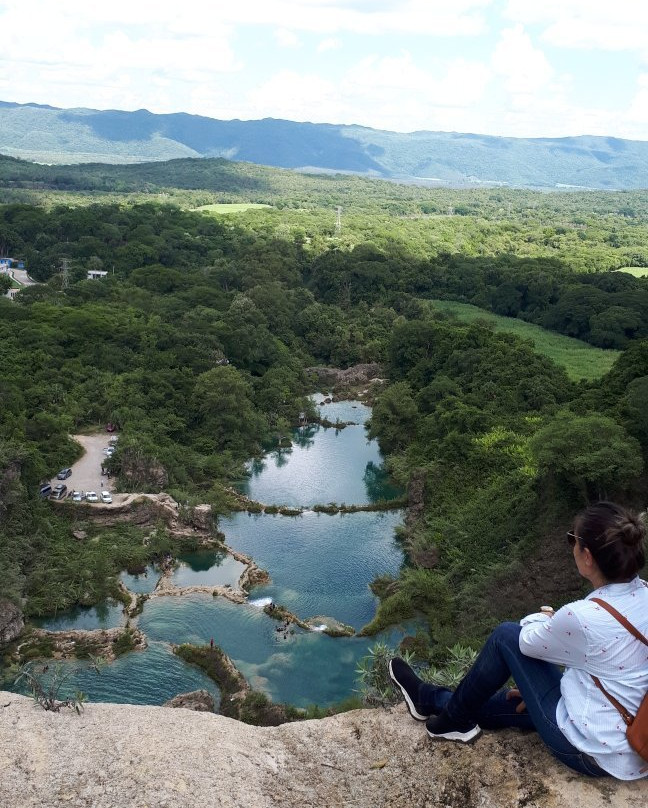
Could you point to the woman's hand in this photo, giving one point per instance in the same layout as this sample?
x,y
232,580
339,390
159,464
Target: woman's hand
x,y
514,693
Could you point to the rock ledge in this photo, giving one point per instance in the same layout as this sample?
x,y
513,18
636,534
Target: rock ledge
x,y
123,756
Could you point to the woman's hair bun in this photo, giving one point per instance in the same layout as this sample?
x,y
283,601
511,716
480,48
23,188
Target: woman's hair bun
x,y
632,530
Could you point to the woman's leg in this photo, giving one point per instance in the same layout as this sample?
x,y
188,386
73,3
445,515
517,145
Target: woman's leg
x,y
479,696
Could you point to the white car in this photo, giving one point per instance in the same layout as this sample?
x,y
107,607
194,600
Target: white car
x,y
77,496
106,497
91,496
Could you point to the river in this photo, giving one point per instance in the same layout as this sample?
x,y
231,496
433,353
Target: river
x,y
320,565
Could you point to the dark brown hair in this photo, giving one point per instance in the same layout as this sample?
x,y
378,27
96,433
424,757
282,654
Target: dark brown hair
x,y
615,538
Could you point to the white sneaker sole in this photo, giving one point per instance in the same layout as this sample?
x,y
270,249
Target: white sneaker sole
x,y
462,737
410,704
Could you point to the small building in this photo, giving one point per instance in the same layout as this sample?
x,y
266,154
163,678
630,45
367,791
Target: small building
x,y
95,274
8,264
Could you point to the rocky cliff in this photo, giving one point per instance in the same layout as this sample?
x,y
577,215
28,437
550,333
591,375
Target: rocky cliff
x,y
11,621
122,756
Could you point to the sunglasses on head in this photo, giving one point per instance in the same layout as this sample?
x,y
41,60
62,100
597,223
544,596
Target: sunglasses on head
x,y
572,538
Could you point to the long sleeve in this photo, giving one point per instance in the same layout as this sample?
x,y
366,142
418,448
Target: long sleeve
x,y
559,639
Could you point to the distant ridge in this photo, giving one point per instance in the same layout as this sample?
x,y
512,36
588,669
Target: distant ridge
x,y
46,134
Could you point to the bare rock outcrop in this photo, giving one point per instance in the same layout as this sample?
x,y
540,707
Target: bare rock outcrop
x,y
198,700
101,642
142,471
201,517
349,378
11,621
120,756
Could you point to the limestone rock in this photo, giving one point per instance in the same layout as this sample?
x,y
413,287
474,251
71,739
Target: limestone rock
x,y
201,517
11,621
199,700
120,756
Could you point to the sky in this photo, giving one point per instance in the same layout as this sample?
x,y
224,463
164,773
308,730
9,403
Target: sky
x,y
521,68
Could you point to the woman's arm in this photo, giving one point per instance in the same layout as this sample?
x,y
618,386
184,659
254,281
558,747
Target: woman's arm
x,y
560,639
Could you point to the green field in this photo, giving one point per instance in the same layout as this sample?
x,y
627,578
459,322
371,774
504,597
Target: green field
x,y
638,272
234,207
580,360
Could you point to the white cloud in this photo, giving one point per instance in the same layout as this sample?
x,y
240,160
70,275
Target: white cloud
x,y
286,38
390,93
438,17
621,25
329,44
292,95
638,111
158,54
523,67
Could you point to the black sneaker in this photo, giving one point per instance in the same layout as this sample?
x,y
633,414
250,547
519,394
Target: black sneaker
x,y
408,682
442,726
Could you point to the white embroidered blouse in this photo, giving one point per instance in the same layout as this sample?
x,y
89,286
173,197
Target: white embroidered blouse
x,y
586,639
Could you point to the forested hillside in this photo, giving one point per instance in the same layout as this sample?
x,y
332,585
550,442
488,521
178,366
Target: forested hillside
x,y
196,341
49,135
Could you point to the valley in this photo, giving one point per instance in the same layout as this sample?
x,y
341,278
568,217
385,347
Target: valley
x,y
495,320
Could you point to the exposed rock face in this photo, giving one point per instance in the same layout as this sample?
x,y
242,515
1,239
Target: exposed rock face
x,y
357,374
201,517
199,700
11,621
120,756
142,471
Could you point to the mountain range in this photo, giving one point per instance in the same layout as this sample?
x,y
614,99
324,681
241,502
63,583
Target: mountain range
x,y
47,134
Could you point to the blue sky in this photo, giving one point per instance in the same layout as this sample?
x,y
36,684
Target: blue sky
x,y
526,68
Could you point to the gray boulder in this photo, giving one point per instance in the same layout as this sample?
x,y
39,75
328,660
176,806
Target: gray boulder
x,y
199,700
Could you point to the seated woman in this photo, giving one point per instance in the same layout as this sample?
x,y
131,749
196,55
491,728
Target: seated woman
x,y
574,718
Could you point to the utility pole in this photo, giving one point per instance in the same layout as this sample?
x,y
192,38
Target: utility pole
x,y
338,222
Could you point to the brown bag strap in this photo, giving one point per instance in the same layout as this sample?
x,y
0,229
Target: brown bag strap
x,y
624,622
627,716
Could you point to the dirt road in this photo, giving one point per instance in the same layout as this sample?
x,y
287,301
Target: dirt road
x,y
86,472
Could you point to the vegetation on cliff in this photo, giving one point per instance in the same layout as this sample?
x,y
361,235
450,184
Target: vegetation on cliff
x,y
197,340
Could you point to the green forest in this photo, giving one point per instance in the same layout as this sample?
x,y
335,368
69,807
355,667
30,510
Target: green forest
x,y
197,341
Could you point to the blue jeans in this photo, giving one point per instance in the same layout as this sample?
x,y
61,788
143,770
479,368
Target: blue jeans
x,y
480,697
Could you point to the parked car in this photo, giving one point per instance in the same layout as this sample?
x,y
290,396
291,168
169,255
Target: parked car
x,y
106,497
60,491
109,451
113,439
77,496
91,496
63,474
110,427
45,490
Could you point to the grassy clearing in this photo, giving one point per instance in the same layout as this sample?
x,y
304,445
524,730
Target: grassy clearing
x,y
638,272
580,360
233,207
